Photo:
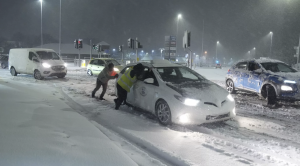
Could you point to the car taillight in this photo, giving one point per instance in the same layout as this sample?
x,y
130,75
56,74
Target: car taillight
x,y
228,70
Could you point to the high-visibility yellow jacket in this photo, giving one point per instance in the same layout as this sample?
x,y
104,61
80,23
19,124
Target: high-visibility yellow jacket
x,y
126,81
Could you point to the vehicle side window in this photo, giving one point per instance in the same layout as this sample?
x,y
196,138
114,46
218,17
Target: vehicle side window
x,y
95,62
126,68
149,74
31,55
242,65
92,62
101,62
187,75
253,66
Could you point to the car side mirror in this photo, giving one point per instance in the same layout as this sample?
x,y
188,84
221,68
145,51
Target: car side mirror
x,y
258,71
35,59
149,81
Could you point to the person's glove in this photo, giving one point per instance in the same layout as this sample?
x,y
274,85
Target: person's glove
x,y
117,75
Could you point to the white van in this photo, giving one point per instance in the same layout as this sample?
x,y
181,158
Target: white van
x,y
37,61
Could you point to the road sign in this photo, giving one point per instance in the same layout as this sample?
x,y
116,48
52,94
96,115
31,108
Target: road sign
x,y
170,46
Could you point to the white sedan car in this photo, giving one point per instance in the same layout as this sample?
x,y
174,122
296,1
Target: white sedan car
x,y
177,94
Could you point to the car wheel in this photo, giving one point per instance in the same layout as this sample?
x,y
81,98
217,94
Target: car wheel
x,y
61,76
37,75
271,95
163,113
3,66
13,71
230,86
89,72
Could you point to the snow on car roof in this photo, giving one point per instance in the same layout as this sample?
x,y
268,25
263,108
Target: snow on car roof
x,y
156,63
264,60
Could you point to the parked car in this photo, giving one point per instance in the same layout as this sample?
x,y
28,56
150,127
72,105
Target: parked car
x,y
95,66
4,61
218,65
177,94
272,79
36,61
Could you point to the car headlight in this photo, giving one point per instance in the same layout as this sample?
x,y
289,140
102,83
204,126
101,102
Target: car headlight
x,y
286,88
230,98
289,81
185,118
65,64
187,101
116,69
46,65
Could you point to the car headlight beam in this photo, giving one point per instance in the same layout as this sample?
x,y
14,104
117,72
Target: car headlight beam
x,y
65,64
286,88
46,65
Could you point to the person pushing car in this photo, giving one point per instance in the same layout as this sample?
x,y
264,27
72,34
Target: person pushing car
x,y
125,83
105,75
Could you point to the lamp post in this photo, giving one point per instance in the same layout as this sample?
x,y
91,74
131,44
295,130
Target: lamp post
x,y
271,33
59,47
254,52
217,50
178,18
41,1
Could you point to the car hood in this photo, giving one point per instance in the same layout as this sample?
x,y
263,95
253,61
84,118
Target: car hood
x,y
286,76
205,91
53,62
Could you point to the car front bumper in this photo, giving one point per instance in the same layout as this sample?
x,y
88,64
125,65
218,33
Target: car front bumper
x,y
203,113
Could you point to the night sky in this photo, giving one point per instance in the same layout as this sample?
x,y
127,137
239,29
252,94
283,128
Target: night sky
x,y
239,25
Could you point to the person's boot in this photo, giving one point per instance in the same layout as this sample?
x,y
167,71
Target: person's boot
x,y
101,98
116,103
93,94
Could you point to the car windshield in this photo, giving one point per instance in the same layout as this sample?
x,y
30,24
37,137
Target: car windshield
x,y
116,63
178,75
278,67
44,55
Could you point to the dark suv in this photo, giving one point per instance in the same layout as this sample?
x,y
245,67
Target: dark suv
x,y
4,61
272,79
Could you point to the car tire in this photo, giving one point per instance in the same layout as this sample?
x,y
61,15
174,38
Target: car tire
x,y
13,71
61,76
3,66
230,86
37,75
271,95
89,72
163,113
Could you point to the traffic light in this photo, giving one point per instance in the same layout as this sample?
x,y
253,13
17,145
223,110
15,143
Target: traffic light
x,y
130,43
139,45
120,48
76,43
94,47
189,39
80,43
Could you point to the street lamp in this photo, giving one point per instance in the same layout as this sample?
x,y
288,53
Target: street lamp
x,y
41,22
217,50
271,33
178,18
254,49
59,52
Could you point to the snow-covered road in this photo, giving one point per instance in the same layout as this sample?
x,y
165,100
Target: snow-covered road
x,y
258,135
